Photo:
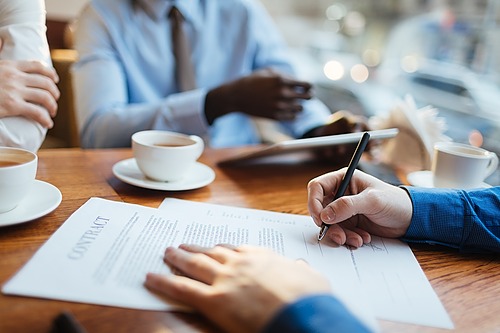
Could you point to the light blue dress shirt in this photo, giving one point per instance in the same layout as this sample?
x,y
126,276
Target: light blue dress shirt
x,y
125,80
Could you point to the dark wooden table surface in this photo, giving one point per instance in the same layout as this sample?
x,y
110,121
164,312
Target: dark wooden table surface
x,y
468,285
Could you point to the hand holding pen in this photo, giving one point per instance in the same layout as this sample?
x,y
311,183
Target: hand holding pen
x,y
372,207
353,164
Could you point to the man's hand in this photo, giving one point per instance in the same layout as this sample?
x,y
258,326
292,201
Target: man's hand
x,y
264,93
369,207
28,89
341,122
238,289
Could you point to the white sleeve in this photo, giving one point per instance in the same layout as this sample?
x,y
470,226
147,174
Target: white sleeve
x,y
22,30
21,132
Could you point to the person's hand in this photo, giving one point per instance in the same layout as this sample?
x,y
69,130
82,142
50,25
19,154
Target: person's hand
x,y
369,206
264,93
340,122
238,289
28,89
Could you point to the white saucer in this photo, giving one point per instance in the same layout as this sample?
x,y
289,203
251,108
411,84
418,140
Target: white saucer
x,y
424,179
128,172
42,199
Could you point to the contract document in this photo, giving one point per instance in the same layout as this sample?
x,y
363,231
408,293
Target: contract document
x,y
102,253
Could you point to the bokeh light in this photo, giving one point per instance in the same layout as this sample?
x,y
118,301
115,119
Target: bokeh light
x,y
333,26
336,12
409,64
371,57
359,73
476,138
334,70
354,23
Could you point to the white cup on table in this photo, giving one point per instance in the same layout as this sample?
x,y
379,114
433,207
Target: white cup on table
x,y
457,165
17,175
166,156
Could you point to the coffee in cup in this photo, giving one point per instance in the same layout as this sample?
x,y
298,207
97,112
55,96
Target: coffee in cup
x,y
457,165
166,156
17,174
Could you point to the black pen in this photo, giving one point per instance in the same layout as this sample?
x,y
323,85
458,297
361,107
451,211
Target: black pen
x,y
353,164
65,322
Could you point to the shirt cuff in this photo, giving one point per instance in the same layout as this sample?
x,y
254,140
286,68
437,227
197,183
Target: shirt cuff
x,y
438,216
184,112
317,313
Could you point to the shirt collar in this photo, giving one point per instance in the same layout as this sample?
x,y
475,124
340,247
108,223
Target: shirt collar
x,y
158,9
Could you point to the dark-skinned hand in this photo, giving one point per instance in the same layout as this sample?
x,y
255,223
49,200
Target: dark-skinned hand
x,y
341,122
265,93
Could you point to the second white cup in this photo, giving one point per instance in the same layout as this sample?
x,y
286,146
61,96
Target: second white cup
x,y
17,175
457,165
166,156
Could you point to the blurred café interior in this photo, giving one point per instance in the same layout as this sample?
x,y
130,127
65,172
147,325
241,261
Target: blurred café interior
x,y
365,56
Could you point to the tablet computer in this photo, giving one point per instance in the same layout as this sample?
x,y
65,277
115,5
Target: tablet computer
x,y
296,145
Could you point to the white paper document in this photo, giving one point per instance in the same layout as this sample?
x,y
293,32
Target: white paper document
x,y
102,253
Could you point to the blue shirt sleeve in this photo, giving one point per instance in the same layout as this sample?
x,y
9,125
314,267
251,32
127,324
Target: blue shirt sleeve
x,y
318,314
468,220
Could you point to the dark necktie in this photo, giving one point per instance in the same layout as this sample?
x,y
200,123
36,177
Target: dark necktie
x,y
184,70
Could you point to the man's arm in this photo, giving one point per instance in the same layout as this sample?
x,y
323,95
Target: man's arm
x,y
106,116
467,220
315,314
22,31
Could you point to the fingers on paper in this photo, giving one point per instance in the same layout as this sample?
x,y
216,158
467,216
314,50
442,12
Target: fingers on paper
x,y
180,288
199,263
220,252
342,235
302,262
195,265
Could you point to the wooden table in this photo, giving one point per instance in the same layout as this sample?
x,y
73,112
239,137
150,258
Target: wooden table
x,y
468,285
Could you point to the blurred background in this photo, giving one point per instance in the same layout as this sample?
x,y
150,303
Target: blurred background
x,y
364,55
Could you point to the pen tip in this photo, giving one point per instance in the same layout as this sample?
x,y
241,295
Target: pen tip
x,y
322,232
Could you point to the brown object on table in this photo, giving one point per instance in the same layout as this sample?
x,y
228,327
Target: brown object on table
x,y
468,285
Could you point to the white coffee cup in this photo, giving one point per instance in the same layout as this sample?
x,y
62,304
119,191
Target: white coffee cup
x,y
166,156
457,165
17,174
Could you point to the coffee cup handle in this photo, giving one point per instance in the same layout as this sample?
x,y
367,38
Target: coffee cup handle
x,y
201,145
493,164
